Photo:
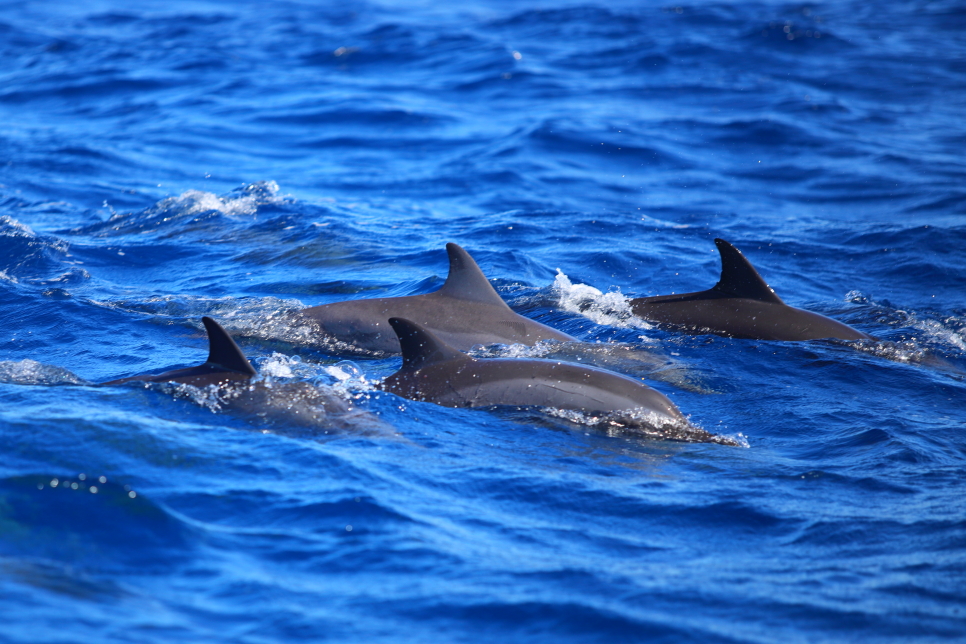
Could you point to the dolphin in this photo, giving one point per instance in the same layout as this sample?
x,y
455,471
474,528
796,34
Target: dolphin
x,y
740,305
283,404
464,312
225,364
434,371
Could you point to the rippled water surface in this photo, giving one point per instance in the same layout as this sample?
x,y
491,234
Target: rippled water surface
x,y
168,160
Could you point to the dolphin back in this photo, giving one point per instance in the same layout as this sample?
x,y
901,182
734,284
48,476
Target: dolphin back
x,y
434,371
464,312
740,305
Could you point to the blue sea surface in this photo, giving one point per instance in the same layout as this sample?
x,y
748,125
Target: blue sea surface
x,y
163,161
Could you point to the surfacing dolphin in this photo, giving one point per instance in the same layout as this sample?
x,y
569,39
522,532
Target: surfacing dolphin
x,y
282,404
226,364
464,312
434,371
740,305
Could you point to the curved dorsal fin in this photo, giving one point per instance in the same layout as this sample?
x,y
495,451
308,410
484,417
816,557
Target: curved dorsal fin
x,y
466,281
223,351
739,278
420,347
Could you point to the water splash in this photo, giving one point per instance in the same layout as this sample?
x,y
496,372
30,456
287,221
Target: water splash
x,y
927,333
611,309
540,349
188,210
289,407
241,202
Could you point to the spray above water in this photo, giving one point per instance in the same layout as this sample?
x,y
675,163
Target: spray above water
x,y
611,309
184,213
244,201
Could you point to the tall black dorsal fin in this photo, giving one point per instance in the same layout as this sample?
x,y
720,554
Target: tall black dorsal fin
x,y
420,347
223,351
739,278
466,281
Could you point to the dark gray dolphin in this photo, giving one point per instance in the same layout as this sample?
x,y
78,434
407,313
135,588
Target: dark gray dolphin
x,y
740,305
287,405
465,312
433,371
226,364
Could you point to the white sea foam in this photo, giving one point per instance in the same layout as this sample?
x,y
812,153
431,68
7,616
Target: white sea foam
x,y
283,404
279,365
10,227
237,203
948,332
941,332
349,376
610,309
541,349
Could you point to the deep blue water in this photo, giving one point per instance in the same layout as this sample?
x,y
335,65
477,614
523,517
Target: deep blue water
x,y
168,160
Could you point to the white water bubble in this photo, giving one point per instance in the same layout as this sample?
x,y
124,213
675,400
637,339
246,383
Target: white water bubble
x,y
608,309
239,203
278,365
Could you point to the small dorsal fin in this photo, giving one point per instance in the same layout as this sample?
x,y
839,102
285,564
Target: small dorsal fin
x,y
466,281
739,278
420,347
223,351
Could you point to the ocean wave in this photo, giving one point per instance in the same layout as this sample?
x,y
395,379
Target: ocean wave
x,y
187,212
25,254
90,522
613,141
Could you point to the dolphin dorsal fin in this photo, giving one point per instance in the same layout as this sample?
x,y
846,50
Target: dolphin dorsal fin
x,y
223,351
739,278
420,347
466,281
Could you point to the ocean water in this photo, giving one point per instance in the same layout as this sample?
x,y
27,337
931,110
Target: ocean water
x,y
161,161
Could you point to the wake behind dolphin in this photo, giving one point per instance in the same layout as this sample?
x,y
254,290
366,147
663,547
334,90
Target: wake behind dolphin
x,y
466,311
740,305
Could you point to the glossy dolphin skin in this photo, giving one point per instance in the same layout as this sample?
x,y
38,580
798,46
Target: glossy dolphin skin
x,y
433,371
464,312
740,305
226,364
